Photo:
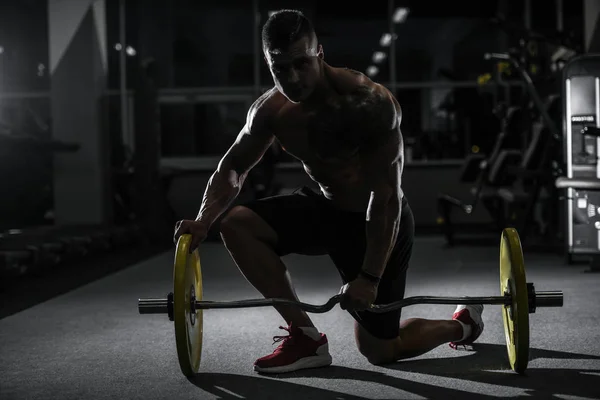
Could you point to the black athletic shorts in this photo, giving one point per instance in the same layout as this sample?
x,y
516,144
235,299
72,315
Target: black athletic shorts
x,y
306,223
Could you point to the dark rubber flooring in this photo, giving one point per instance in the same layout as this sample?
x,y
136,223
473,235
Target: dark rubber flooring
x,y
91,342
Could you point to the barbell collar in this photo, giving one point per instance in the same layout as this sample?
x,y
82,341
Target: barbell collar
x,y
552,298
153,306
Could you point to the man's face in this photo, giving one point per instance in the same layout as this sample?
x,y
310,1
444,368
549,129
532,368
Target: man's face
x,y
296,69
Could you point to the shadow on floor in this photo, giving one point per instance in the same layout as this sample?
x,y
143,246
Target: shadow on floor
x,y
231,386
486,364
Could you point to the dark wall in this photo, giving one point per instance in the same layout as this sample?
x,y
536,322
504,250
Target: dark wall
x,y
24,42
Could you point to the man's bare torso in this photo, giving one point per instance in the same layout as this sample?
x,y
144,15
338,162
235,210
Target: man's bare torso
x,y
341,180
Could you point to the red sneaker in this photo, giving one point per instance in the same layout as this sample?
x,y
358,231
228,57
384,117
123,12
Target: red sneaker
x,y
297,351
469,315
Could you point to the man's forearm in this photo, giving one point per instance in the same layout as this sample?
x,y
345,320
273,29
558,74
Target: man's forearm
x,y
382,230
223,187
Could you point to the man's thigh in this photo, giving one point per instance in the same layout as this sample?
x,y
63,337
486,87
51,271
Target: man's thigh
x,y
298,219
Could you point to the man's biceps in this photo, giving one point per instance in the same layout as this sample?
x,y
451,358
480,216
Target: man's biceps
x,y
251,139
247,151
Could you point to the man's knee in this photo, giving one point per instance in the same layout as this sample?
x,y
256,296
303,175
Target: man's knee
x,y
242,222
376,350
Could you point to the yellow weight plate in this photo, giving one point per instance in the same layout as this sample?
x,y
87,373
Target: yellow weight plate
x,y
516,315
187,285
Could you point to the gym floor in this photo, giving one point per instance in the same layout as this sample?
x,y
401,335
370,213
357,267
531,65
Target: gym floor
x,y
91,342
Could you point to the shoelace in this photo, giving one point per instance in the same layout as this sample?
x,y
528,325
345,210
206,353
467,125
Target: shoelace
x,y
287,340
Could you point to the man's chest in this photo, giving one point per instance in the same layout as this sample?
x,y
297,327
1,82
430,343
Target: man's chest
x,y
327,170
309,135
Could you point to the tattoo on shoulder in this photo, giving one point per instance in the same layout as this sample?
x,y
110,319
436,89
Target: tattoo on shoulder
x,y
368,99
354,72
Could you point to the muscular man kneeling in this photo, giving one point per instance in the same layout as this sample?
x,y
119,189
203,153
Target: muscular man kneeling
x,y
345,130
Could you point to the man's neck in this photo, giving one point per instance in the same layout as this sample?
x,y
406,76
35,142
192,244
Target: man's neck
x,y
322,92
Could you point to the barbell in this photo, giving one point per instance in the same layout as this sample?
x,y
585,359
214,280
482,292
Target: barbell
x,y
184,306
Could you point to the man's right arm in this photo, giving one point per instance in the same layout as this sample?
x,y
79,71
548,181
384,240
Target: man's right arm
x,y
248,148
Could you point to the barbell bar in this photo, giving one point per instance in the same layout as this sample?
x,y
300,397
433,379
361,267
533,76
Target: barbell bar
x,y
552,298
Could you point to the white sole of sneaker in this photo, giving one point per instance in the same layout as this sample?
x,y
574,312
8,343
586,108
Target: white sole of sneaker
x,y
476,317
303,363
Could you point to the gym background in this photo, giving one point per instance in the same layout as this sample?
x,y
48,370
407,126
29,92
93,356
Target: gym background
x,y
114,114
117,112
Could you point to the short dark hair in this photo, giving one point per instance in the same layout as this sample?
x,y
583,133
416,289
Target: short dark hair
x,y
285,27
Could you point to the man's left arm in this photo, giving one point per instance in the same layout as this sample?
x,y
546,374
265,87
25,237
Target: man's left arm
x,y
383,163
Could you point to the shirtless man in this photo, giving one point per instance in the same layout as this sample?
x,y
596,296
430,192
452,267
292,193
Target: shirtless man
x,y
345,130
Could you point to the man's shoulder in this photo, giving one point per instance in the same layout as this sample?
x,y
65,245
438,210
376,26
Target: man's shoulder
x,y
270,100
348,81
266,105
369,97
370,108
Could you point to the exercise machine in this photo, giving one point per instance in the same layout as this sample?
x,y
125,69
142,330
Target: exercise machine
x,y
581,141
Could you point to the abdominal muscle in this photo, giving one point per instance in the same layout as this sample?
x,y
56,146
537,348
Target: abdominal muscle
x,y
341,180
343,185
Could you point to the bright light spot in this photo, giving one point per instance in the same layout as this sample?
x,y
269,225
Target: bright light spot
x,y
130,51
385,40
118,47
372,70
400,15
379,56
